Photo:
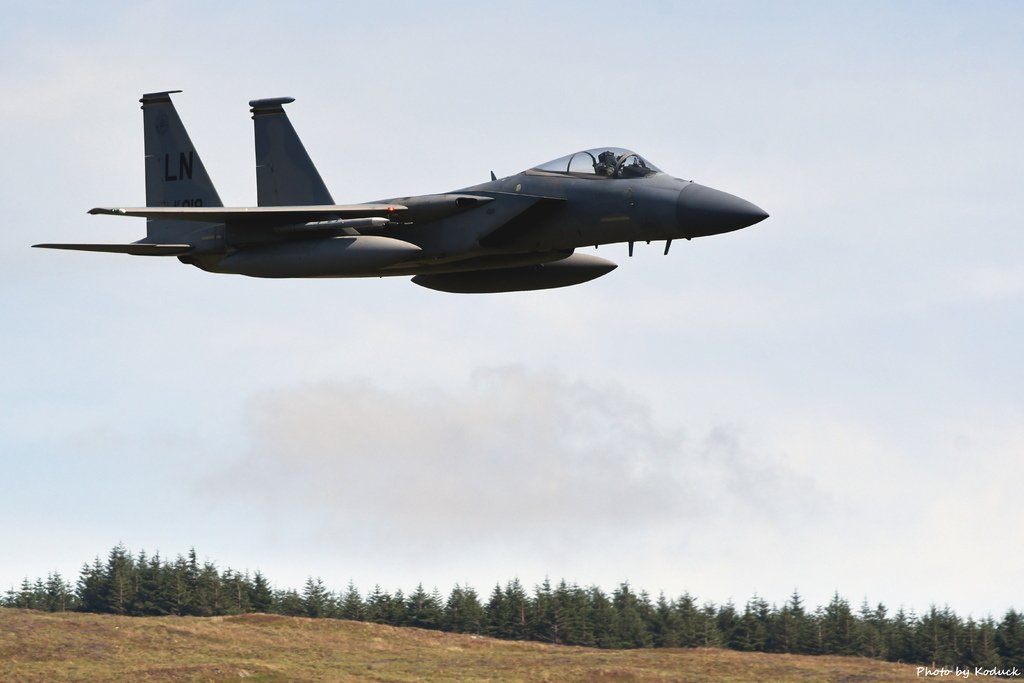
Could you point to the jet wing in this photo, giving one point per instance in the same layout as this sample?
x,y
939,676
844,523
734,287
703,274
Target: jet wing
x,y
133,249
265,216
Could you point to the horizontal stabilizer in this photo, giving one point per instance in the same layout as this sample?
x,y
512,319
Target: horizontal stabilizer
x,y
133,249
257,215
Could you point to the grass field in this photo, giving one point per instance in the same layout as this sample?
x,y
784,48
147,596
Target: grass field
x,y
39,646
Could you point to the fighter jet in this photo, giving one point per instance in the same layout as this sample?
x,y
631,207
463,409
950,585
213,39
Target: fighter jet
x,y
510,234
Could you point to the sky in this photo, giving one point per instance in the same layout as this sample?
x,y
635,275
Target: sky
x,y
831,400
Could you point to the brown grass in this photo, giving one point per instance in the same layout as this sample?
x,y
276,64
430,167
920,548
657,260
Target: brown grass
x,y
38,646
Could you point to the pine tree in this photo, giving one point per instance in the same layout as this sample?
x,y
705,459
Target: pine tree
x,y
579,630
92,587
315,598
875,629
496,614
515,610
397,615
690,621
378,606
10,598
177,585
792,628
236,589
352,605
631,615
120,582
977,646
753,626
289,603
710,636
547,616
936,636
194,606
472,612
665,627
728,625
39,595
25,598
149,596
838,627
981,648
601,614
261,596
1010,640
901,637
463,612
58,596
423,610
207,596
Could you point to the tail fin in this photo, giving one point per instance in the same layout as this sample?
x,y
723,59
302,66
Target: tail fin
x,y
285,175
175,175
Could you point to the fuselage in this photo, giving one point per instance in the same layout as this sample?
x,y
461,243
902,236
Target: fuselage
x,y
576,209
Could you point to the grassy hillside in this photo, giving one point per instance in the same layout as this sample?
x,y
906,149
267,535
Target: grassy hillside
x,y
39,646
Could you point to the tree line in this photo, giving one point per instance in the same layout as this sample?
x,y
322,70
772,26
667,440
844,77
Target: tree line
x,y
562,613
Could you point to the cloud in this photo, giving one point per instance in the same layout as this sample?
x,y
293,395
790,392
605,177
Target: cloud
x,y
517,458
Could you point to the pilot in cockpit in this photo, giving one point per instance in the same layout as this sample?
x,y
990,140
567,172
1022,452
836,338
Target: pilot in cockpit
x,y
605,164
635,168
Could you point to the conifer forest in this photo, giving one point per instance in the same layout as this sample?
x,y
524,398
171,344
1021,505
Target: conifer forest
x,y
560,613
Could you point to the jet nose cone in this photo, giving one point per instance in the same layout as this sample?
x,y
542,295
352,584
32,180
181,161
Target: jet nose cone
x,y
705,211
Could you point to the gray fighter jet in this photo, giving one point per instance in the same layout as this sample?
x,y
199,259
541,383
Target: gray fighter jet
x,y
509,234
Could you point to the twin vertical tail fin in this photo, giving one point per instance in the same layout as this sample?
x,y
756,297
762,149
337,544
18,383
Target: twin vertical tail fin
x,y
285,175
175,175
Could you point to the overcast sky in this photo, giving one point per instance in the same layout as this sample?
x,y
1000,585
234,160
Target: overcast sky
x,y
831,400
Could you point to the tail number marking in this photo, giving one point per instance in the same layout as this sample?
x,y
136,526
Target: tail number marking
x,y
184,166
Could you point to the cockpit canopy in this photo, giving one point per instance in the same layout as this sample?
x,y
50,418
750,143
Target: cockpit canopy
x,y
606,162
